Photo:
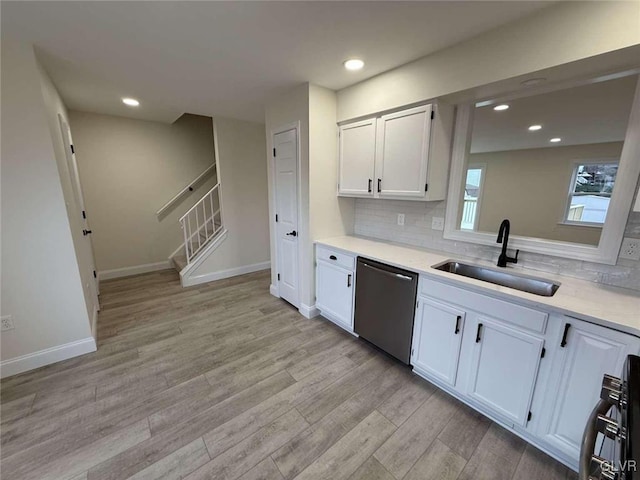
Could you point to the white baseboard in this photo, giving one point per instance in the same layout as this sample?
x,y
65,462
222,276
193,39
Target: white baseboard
x,y
232,272
273,290
135,270
308,311
24,363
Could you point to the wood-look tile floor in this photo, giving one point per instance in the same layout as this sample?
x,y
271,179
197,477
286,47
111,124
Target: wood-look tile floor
x,y
225,381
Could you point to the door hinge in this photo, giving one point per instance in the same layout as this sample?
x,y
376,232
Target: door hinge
x,y
95,275
543,353
84,214
426,187
412,352
417,303
276,217
274,151
433,114
73,150
278,277
529,416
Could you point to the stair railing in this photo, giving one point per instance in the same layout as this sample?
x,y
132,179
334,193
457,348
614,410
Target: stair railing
x,y
201,223
189,188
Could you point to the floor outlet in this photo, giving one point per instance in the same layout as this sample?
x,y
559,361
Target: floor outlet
x,y
7,322
401,219
630,249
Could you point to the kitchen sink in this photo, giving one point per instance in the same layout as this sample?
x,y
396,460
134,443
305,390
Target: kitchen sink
x,y
537,286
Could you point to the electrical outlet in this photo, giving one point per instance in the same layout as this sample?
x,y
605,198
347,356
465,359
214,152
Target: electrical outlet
x,y
401,219
7,322
630,248
437,223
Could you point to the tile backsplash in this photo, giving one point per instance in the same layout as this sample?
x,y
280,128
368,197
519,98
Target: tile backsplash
x,y
379,219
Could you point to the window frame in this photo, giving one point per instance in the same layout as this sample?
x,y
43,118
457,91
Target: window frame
x,y
572,185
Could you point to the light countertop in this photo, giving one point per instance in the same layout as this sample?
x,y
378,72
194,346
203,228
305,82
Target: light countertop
x,y
609,306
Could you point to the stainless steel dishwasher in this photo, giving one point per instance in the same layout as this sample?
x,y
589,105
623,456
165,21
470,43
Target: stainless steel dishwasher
x,y
385,306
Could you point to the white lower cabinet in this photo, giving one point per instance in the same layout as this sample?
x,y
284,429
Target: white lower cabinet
x,y
437,337
585,352
504,369
536,373
334,291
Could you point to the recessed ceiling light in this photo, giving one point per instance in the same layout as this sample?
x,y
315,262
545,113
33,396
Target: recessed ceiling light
x,y
501,107
132,102
533,81
533,128
555,139
353,64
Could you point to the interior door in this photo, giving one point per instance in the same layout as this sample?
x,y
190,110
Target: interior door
x,y
88,259
402,153
357,158
286,182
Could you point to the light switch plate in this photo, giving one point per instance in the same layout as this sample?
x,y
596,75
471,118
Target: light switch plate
x,y
437,223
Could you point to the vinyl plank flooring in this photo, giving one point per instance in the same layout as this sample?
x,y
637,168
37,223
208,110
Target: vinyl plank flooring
x,y
176,465
251,451
411,440
439,462
465,431
496,457
351,451
371,470
223,380
301,451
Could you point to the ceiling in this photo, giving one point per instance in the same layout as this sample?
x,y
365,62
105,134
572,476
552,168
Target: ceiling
x,y
229,58
593,113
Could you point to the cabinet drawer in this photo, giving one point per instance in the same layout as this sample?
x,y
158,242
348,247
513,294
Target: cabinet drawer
x,y
335,257
518,315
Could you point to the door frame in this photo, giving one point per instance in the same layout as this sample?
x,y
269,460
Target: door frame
x,y
274,288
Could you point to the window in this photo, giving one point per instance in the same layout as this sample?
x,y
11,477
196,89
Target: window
x,y
590,192
472,193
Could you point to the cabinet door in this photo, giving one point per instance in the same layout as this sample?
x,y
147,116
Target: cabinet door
x,y
334,294
357,145
437,336
588,353
403,152
504,369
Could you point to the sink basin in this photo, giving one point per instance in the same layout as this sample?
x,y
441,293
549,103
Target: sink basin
x,y
537,286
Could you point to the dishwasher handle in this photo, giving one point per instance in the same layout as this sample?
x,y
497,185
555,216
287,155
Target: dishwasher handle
x,y
387,272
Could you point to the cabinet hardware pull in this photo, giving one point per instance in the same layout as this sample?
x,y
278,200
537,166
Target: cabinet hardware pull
x,y
332,257
567,326
478,333
349,280
370,183
379,187
457,330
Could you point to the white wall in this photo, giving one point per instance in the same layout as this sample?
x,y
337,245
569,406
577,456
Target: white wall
x,y
292,108
129,169
243,176
41,284
563,33
531,187
322,213
54,107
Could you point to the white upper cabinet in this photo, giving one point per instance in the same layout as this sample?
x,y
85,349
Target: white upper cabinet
x,y
586,353
357,143
504,369
403,153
